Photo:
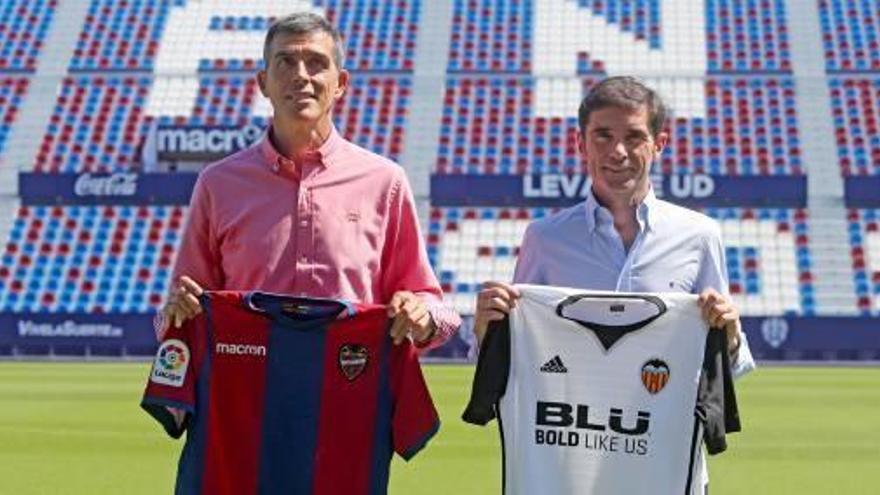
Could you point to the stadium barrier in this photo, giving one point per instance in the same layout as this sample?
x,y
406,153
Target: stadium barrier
x,y
862,192
80,334
543,190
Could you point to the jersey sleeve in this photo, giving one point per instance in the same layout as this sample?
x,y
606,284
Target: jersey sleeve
x,y
172,381
490,377
716,396
415,420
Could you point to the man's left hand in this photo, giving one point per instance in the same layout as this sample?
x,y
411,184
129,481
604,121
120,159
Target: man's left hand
x,y
720,312
411,317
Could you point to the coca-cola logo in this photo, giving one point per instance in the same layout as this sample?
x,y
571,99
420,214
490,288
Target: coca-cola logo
x,y
120,184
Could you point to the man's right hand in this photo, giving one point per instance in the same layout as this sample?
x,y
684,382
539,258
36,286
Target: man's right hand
x,y
183,302
494,302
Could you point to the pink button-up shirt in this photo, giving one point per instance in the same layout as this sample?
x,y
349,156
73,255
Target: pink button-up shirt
x,y
342,224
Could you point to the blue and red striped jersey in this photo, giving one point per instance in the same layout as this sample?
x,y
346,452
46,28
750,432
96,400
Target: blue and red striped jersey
x,y
288,395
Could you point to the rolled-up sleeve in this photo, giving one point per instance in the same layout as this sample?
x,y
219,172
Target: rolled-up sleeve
x,y
713,275
405,265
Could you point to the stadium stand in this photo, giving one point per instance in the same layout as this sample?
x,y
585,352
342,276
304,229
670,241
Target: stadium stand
x,y
380,35
490,126
468,246
864,238
97,125
850,34
372,113
23,27
121,35
739,116
741,35
747,36
95,259
855,106
12,92
768,256
768,259
490,36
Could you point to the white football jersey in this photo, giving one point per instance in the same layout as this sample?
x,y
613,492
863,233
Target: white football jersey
x,y
603,393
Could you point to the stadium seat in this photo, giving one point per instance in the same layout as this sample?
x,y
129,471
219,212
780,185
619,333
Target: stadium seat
x,y
855,107
850,35
489,126
770,273
89,258
12,93
372,113
97,125
23,28
864,236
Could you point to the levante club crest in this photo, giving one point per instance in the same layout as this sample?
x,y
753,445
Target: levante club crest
x,y
352,360
655,375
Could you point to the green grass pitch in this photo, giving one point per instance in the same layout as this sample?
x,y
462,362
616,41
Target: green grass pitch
x,y
76,428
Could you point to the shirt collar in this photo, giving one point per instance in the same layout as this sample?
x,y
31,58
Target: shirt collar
x,y
646,213
324,155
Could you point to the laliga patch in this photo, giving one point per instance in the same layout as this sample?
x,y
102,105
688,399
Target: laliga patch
x,y
171,363
655,375
352,360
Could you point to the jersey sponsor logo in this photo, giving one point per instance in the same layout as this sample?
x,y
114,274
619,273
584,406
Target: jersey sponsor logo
x,y
655,375
563,414
172,361
239,349
353,360
561,424
554,365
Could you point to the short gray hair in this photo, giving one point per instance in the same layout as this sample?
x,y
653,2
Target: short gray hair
x,y
302,23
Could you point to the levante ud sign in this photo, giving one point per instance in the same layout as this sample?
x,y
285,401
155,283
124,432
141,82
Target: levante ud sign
x,y
697,190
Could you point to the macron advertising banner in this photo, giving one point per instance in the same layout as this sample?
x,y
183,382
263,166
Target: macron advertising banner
x,y
563,190
862,192
77,333
198,143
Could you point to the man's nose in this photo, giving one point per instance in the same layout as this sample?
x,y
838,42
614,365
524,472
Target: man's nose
x,y
618,150
299,71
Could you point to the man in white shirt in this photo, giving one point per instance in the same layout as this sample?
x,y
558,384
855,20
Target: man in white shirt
x,y
622,238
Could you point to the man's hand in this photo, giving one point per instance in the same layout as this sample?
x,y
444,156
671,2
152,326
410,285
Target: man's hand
x,y
720,312
183,302
494,302
411,317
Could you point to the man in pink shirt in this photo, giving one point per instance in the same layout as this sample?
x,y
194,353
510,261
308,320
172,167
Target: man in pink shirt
x,y
306,212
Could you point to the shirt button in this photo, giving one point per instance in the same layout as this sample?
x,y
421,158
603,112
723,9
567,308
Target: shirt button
x,y
304,258
303,223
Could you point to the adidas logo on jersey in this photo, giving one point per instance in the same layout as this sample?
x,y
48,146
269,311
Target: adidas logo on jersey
x,y
554,366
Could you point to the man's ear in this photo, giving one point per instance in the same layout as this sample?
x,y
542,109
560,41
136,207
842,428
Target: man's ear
x,y
261,82
344,81
581,143
660,141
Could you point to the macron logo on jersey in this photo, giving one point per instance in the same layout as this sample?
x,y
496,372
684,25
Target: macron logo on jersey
x,y
240,349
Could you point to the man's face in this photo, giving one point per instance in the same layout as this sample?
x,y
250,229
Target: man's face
x,y
618,148
301,78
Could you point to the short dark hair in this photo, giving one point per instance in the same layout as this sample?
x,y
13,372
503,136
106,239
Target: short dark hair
x,y
625,92
301,23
